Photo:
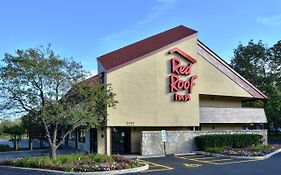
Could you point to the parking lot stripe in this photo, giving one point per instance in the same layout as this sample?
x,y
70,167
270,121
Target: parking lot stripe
x,y
152,164
208,161
219,160
216,160
196,156
233,162
204,158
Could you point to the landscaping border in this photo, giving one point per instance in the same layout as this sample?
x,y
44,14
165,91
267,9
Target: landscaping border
x,y
124,171
239,157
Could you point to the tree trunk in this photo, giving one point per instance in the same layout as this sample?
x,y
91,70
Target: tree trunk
x,y
14,141
53,152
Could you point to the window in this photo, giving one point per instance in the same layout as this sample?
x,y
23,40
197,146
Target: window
x,y
82,135
72,135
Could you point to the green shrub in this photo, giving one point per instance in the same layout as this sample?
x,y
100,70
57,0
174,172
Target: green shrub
x,y
217,150
4,148
79,162
99,158
261,147
274,136
227,140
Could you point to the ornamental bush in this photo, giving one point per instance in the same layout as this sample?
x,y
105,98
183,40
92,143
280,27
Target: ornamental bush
x,y
78,162
227,140
217,150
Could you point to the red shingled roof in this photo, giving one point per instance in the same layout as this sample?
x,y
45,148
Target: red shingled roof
x,y
93,80
126,54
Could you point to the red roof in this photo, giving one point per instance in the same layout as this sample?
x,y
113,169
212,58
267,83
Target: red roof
x,y
89,82
126,54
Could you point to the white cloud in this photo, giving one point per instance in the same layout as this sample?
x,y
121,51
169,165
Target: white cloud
x,y
162,7
116,36
167,1
270,21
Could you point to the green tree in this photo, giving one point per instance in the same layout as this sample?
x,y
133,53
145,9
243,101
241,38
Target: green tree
x,y
54,90
15,131
35,129
262,67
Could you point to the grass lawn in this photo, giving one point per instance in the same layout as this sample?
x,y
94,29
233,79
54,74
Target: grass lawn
x,y
78,162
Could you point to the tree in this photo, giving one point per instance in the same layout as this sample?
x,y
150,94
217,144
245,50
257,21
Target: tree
x,y
54,90
15,131
35,129
262,67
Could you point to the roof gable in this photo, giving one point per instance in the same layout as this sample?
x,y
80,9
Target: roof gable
x,y
135,51
221,65
127,54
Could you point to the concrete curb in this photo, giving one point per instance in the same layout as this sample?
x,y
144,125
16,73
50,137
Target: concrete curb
x,y
124,171
240,157
144,157
185,154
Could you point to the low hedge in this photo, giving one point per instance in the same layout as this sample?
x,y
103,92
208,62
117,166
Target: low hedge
x,y
227,140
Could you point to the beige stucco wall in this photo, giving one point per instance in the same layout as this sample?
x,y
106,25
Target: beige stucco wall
x,y
142,90
220,101
212,81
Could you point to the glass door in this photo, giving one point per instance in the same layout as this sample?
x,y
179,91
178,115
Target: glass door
x,y
121,140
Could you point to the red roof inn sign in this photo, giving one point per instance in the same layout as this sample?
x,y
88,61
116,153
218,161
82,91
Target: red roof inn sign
x,y
180,71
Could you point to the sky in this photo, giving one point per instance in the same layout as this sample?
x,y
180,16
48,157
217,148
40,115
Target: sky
x,y
86,29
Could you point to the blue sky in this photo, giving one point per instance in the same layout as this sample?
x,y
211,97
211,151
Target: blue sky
x,y
86,29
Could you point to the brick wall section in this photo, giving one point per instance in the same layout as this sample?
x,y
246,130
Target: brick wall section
x,y
179,142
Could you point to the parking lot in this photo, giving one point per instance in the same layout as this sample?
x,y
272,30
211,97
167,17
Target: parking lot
x,y
213,160
193,165
208,165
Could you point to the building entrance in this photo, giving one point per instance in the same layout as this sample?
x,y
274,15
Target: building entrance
x,y
121,140
93,140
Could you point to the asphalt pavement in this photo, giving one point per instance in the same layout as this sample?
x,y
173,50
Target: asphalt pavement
x,y
204,165
193,165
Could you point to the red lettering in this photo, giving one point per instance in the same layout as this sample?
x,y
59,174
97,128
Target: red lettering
x,y
179,97
187,97
192,83
173,80
186,85
175,63
176,83
180,84
180,69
